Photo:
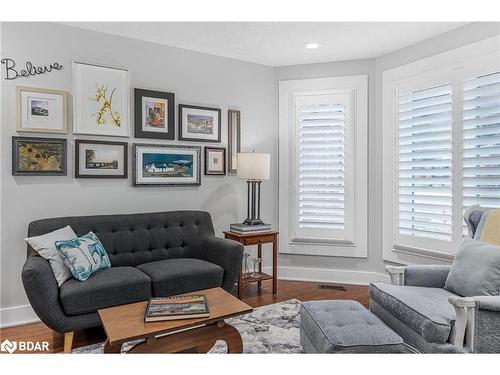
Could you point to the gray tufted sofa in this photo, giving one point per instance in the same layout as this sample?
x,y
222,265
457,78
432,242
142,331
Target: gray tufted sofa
x,y
151,254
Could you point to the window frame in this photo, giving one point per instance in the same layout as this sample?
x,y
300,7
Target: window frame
x,y
453,67
354,241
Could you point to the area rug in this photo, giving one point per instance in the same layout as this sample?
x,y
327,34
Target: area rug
x,y
268,329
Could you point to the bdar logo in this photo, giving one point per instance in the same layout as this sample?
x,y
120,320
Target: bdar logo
x,y
8,346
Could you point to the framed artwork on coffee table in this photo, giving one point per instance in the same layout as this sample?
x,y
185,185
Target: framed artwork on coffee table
x,y
101,159
41,110
154,114
38,156
100,100
158,165
199,124
215,161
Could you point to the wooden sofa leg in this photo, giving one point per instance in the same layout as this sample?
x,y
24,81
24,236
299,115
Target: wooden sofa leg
x,y
68,341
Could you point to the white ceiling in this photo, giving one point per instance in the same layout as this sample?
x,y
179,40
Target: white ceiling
x,y
279,43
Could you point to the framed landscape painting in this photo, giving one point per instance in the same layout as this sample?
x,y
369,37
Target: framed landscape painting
x,y
199,124
100,100
101,159
38,156
157,165
154,114
215,161
41,110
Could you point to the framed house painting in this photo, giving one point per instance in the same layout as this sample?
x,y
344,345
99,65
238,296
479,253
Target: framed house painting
x,y
215,161
199,124
157,165
41,110
100,100
234,139
154,114
38,156
100,159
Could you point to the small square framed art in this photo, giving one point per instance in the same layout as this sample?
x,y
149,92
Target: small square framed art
x,y
154,114
215,161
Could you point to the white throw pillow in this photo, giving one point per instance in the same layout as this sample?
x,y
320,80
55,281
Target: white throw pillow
x,y
45,246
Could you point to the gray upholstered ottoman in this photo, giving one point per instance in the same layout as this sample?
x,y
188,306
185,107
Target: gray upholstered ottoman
x,y
340,326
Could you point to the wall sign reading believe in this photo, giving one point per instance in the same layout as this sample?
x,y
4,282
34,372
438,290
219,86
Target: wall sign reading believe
x,y
31,70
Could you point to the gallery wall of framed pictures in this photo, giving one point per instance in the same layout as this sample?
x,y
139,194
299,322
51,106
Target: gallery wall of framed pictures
x,y
101,108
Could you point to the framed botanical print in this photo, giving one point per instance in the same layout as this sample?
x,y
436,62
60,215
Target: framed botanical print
x,y
234,139
154,114
157,165
215,160
100,159
100,100
38,156
41,110
199,124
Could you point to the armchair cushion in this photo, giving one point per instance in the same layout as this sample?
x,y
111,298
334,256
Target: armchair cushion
x,y
475,270
106,288
425,310
182,275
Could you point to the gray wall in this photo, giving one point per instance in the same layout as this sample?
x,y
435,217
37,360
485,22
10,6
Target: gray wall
x,y
195,78
374,68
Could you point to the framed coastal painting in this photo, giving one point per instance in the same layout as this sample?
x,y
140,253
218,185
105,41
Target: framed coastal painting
x,y
199,124
215,160
234,139
41,110
156,165
100,100
38,156
154,114
100,159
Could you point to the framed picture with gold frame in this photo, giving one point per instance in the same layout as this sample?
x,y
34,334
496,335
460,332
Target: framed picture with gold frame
x,y
41,110
234,139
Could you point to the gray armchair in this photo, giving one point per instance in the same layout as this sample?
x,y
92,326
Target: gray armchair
x,y
431,319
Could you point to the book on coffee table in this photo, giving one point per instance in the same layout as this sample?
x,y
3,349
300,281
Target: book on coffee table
x,y
177,307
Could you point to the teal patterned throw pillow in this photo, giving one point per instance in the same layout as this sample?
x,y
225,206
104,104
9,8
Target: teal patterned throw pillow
x,y
83,256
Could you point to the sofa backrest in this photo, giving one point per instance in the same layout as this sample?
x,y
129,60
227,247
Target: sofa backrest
x,y
133,239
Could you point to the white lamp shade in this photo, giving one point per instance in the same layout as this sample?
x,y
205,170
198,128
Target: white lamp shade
x,y
254,166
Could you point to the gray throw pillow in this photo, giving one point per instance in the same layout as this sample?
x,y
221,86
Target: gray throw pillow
x,y
475,270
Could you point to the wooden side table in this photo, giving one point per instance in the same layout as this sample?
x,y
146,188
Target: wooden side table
x,y
258,239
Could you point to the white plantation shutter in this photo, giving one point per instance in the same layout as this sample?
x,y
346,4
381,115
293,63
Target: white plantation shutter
x,y
321,136
425,163
481,141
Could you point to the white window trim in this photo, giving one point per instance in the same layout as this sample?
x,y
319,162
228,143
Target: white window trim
x,y
356,246
464,58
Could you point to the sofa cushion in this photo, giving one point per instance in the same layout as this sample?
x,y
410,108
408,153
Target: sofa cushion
x,y
182,275
345,327
106,288
425,310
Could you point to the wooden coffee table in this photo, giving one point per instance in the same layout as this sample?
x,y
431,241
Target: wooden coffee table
x,y
126,323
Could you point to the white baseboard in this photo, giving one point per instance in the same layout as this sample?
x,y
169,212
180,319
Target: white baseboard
x,y
324,275
17,315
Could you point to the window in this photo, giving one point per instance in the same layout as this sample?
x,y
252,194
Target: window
x,y
323,166
442,152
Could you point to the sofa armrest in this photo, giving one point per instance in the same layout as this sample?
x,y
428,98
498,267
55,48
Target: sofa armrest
x,y
489,303
396,273
43,293
430,276
226,253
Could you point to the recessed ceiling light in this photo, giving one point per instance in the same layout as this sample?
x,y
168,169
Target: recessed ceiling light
x,y
312,45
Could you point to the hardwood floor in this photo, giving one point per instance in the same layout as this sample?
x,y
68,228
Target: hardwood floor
x,y
303,291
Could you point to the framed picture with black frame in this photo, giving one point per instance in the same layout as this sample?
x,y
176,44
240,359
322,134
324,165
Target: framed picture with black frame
x,y
101,159
33,156
199,124
215,161
154,114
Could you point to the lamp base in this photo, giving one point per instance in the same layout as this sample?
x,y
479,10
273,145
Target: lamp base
x,y
253,222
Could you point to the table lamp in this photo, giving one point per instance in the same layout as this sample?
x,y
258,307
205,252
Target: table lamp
x,y
254,168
